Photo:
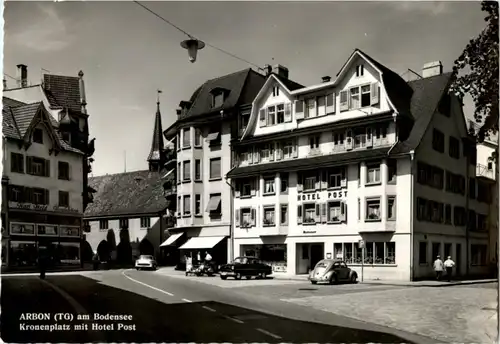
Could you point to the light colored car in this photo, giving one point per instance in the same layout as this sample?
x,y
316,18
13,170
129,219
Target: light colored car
x,y
332,271
145,262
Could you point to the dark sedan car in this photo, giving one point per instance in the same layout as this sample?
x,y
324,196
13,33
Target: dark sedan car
x,y
331,271
245,267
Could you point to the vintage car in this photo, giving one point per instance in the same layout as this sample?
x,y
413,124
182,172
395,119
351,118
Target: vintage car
x,y
245,267
145,262
332,271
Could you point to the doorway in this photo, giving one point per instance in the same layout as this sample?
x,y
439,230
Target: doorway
x,y
317,253
307,255
458,258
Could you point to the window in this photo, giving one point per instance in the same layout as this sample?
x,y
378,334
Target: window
x,y
197,138
37,166
38,135
478,254
310,106
63,170
145,222
390,253
373,174
481,222
447,214
186,138
348,257
360,70
454,147
271,115
215,168
310,183
372,209
334,212
269,186
284,183
246,217
214,137
86,226
103,224
309,213
245,187
267,152
354,94
392,171
197,169
321,110
314,142
422,252
338,139
269,216
214,205
197,204
276,91
244,118
187,171
335,178
17,163
217,99
490,165
365,96
179,205
459,216
123,223
187,205
438,141
40,196
18,193
284,214
430,175
288,148
64,199
436,250
472,220
280,110
391,208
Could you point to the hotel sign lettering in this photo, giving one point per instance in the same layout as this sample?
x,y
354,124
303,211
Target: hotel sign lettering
x,y
28,206
324,195
66,209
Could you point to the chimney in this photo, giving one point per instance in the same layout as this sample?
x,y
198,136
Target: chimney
x,y
281,71
179,112
22,75
268,70
326,78
432,69
83,98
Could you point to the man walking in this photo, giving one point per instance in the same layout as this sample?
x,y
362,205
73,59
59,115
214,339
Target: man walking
x,y
438,267
449,264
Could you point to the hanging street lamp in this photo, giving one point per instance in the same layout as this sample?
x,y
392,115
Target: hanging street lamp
x,y
192,45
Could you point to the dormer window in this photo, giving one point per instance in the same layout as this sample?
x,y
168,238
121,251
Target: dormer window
x,y
360,70
218,96
276,91
38,135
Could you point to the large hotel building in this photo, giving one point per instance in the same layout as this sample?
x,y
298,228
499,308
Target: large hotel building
x,y
366,160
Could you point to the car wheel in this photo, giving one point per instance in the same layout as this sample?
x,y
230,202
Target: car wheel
x,y
238,276
313,282
354,278
137,269
248,277
334,279
262,275
223,277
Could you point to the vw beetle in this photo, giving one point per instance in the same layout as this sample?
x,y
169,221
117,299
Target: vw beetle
x,y
332,271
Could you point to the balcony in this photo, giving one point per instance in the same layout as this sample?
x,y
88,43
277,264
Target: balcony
x,y
171,158
272,230
169,189
483,171
360,142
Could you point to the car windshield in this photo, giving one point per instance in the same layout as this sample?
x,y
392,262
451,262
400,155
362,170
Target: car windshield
x,y
146,257
322,265
240,260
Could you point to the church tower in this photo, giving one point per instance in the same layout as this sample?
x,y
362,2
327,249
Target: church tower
x,y
156,155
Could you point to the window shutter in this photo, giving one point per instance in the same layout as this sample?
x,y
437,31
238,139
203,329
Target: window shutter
x,y
21,163
237,217
69,171
254,215
254,184
255,155
262,118
330,103
342,211
369,137
324,180
299,109
279,151
29,163
237,188
295,149
375,94
323,213
299,214
288,112
343,181
348,139
344,103
47,196
317,215
47,168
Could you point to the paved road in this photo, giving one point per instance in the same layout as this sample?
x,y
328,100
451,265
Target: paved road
x,y
174,310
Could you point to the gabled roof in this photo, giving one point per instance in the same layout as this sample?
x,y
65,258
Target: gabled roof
x,y
129,193
289,84
427,94
62,91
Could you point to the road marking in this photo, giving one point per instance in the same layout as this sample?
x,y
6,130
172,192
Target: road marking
x,y
235,320
147,285
186,300
268,333
209,309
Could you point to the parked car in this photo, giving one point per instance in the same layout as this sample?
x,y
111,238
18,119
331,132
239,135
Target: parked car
x,y
145,262
245,267
332,271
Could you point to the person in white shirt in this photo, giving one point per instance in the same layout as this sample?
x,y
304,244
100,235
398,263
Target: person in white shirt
x,y
448,265
438,267
208,257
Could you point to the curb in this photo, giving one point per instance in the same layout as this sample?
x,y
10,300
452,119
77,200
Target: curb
x,y
450,284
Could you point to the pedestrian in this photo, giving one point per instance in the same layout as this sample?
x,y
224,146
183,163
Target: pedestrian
x,y
438,267
198,258
449,264
208,257
42,262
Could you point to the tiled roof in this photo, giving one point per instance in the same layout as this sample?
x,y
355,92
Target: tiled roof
x,y
236,84
62,91
290,84
308,163
11,102
427,94
138,192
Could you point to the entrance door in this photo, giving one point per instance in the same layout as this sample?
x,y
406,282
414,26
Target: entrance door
x,y
317,253
458,258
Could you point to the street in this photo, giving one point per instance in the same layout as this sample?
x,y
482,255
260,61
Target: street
x,y
166,309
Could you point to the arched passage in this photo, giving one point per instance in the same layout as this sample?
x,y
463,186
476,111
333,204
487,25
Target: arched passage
x,y
145,247
103,250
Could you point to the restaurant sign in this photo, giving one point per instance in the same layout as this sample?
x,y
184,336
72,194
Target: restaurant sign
x,y
324,195
28,206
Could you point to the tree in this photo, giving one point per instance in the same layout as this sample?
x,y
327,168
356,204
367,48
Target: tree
x,y
480,60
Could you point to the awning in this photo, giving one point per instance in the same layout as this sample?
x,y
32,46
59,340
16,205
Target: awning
x,y
213,203
212,136
168,173
201,242
171,239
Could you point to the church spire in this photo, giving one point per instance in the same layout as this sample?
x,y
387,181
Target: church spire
x,y
155,158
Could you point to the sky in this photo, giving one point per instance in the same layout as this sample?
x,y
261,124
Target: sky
x,y
126,53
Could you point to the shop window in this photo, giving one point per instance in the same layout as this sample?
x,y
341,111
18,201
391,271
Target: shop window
x,y
390,253
369,253
348,255
305,252
69,253
337,251
22,228
447,250
422,252
358,253
379,253
23,253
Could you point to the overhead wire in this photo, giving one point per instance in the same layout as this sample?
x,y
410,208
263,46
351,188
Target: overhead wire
x,y
193,37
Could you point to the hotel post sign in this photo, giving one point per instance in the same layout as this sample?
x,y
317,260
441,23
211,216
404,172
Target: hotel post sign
x,y
337,195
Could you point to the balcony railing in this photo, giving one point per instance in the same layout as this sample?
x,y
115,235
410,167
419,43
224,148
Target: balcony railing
x,y
483,171
169,190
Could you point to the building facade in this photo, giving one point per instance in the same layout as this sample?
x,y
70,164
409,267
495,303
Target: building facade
x,y
363,161
46,161
202,133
